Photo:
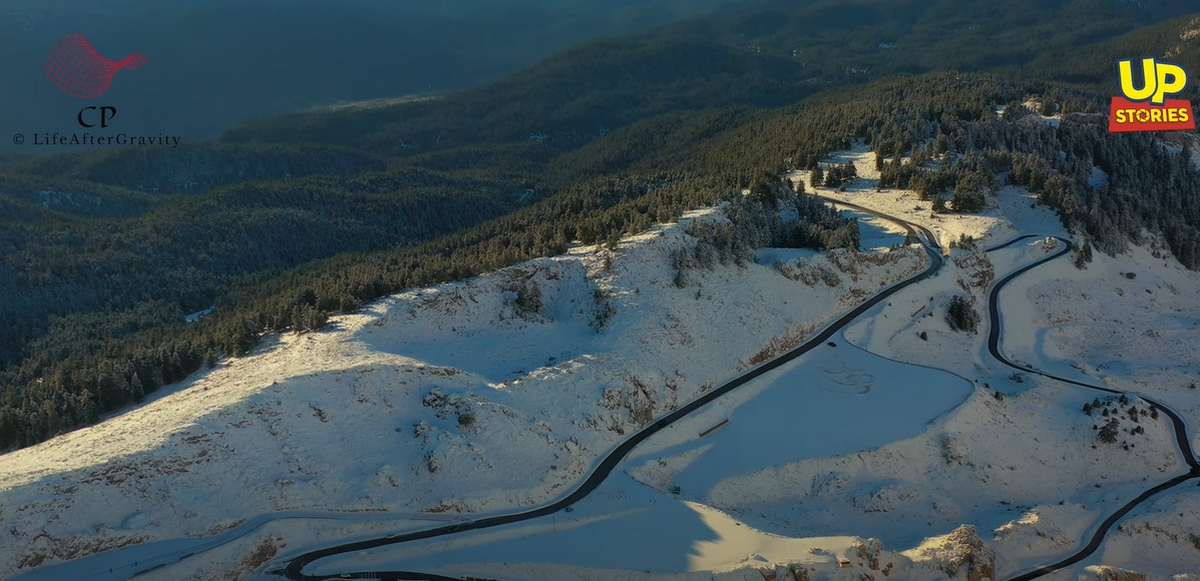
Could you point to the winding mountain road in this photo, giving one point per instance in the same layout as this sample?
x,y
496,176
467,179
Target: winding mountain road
x,y
1182,441
295,568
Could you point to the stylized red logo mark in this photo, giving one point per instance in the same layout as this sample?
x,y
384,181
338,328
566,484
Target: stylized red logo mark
x,y
76,68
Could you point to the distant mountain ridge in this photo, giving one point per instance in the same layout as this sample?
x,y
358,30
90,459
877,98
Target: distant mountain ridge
x,y
216,63
101,253
763,55
1155,10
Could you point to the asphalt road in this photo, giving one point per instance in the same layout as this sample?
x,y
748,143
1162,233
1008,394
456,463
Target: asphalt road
x,y
295,569
1181,438
929,240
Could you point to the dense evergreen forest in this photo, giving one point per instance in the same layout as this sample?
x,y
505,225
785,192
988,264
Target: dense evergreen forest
x,y
290,220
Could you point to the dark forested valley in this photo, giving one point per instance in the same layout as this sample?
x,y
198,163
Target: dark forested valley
x,y
216,63
286,221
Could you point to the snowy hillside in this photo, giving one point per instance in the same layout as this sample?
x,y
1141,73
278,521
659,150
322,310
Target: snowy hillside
x,y
1127,321
901,449
455,399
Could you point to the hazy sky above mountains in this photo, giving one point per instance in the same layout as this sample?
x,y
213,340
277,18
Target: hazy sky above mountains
x,y
217,62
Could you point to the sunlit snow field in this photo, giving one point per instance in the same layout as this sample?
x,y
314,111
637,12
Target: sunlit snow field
x,y
833,401
833,448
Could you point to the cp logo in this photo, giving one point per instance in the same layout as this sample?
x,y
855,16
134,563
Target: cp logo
x,y
106,113
76,68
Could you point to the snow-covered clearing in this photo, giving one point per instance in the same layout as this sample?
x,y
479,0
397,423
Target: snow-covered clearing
x,y
1136,317
1014,211
641,531
1102,325
1161,540
831,402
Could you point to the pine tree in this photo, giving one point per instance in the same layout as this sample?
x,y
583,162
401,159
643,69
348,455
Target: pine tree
x,y
833,177
8,428
52,424
961,315
943,144
968,194
1108,433
529,298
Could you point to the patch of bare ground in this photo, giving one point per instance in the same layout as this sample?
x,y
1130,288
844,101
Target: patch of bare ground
x,y
977,271
1106,573
220,528
368,509
73,547
119,471
852,262
782,344
458,507
854,296
264,551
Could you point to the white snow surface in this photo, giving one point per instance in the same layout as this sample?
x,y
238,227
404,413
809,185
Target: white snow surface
x,y
352,418
877,448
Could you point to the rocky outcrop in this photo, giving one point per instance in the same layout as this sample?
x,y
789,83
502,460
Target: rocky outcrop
x,y
960,555
1106,573
968,556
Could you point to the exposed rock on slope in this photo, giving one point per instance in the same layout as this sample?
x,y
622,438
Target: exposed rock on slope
x,y
1105,573
960,554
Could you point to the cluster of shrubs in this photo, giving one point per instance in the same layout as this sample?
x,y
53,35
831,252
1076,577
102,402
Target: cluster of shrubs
x,y
836,176
961,314
1109,432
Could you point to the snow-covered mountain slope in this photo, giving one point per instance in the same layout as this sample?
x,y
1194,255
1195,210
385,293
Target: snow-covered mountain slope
x,y
1127,321
458,398
500,392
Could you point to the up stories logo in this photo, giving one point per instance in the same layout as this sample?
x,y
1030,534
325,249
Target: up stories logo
x,y
1147,108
